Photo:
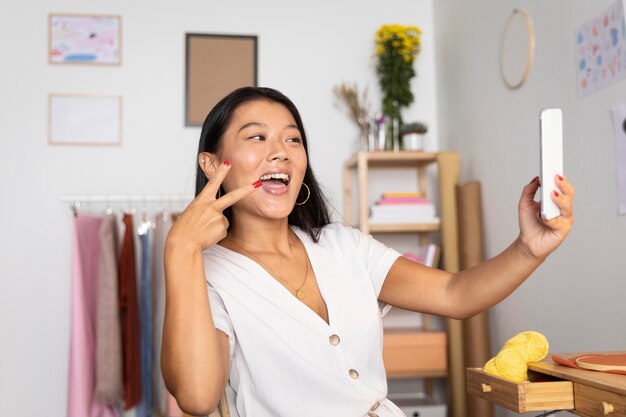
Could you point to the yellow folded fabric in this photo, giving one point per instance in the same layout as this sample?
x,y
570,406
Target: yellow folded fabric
x,y
512,361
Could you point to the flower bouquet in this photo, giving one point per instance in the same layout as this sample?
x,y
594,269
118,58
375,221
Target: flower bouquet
x,y
397,47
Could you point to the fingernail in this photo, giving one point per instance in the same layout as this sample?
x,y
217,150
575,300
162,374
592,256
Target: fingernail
x,y
257,184
534,179
227,163
559,177
555,193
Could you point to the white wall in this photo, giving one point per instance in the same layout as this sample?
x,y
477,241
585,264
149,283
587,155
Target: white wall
x,y
576,297
305,48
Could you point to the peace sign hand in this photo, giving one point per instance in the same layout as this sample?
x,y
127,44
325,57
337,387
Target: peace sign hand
x,y
203,223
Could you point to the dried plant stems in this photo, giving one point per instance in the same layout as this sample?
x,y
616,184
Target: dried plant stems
x,y
356,103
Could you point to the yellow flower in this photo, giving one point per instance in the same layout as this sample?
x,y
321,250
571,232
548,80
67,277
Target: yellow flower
x,y
396,47
404,39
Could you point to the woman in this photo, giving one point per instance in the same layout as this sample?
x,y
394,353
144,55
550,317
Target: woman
x,y
291,321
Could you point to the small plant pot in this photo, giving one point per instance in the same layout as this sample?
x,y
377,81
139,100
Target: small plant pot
x,y
413,141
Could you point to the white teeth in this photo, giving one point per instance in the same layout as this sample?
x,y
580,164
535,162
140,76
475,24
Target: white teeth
x,y
277,176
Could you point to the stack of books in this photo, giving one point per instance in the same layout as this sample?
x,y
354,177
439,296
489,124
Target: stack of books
x,y
403,208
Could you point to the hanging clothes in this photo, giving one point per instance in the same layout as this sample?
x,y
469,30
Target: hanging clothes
x,y
162,226
145,322
172,407
109,388
85,271
130,319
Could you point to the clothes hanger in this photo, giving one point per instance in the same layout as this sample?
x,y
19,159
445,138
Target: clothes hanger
x,y
146,223
74,207
109,209
165,209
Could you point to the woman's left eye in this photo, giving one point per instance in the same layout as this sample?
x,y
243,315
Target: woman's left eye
x,y
294,140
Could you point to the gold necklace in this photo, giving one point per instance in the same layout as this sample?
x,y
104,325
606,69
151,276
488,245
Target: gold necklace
x,y
299,292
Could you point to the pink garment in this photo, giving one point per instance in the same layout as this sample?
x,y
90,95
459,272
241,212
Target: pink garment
x,y
85,265
172,407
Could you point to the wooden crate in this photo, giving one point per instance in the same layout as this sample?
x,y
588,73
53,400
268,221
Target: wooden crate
x,y
521,397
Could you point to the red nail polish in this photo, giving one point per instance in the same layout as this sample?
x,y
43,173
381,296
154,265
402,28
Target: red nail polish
x,y
559,177
555,193
534,179
257,184
227,163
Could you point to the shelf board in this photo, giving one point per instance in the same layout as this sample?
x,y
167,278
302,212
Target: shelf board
x,y
404,228
391,158
439,373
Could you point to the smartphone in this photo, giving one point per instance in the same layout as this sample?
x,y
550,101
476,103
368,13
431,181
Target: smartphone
x,y
551,144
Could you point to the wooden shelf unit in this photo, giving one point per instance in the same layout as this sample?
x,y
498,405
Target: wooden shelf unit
x,y
404,228
415,375
448,174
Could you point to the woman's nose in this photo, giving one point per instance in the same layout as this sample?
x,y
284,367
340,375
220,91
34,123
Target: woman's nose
x,y
277,151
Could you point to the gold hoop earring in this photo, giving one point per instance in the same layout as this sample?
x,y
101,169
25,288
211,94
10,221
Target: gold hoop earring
x,y
308,190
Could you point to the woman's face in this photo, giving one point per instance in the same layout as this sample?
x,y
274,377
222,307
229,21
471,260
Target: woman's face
x,y
264,143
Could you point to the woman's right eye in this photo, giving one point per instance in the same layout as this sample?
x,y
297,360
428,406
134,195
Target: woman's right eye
x,y
257,137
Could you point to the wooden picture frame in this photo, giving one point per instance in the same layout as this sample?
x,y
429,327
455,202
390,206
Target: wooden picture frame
x,y
215,66
84,39
84,119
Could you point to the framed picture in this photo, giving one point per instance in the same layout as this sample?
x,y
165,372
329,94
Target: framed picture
x,y
84,120
84,39
216,65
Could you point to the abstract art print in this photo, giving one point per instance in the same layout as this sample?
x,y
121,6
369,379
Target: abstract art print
x,y
601,50
84,39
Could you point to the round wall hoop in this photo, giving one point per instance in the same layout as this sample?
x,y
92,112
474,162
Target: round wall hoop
x,y
517,49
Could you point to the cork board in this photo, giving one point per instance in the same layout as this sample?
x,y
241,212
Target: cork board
x,y
215,66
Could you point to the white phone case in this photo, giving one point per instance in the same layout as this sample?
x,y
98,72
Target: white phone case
x,y
551,138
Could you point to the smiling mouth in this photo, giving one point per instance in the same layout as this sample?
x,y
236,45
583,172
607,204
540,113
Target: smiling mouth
x,y
278,178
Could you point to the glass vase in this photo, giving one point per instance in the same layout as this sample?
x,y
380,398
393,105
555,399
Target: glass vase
x,y
393,130
395,134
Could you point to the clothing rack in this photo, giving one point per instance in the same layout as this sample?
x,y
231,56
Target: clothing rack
x,y
124,199
133,200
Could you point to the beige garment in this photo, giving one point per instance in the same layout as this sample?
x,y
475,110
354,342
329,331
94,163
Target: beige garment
x,y
475,329
163,224
109,386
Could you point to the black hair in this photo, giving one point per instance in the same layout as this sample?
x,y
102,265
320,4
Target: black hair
x,y
311,216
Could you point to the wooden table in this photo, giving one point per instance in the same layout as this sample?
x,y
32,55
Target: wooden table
x,y
581,392
595,393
